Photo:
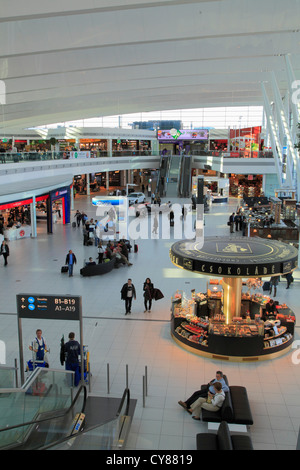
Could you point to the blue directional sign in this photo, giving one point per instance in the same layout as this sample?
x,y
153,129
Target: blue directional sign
x,y
52,307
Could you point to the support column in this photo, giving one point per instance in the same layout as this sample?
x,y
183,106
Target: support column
x,y
88,192
107,180
109,147
232,297
291,155
33,218
277,152
72,198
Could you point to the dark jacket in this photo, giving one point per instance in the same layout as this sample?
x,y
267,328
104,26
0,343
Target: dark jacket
x,y
6,249
124,291
157,294
148,290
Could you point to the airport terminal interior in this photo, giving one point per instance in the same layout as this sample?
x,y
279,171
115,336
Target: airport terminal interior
x,y
191,106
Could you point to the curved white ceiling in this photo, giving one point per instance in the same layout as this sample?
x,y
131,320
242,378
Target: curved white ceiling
x,y
67,59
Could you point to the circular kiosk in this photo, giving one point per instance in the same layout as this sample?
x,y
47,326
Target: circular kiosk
x,y
231,326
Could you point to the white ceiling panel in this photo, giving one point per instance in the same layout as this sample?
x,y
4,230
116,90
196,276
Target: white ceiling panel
x,y
64,60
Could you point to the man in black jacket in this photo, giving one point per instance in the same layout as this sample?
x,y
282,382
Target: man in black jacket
x,y
70,261
72,353
128,293
4,250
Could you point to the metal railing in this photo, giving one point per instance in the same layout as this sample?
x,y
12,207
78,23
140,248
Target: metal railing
x,y
11,157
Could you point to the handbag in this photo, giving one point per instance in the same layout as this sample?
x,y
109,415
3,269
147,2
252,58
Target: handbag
x,y
157,294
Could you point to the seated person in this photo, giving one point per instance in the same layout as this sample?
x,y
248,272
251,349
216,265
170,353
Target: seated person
x,y
203,393
90,262
213,402
120,257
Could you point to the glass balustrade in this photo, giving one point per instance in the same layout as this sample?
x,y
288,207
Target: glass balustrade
x,y
7,377
45,391
44,156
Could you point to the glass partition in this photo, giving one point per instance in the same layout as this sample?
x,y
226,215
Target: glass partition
x,y
7,377
45,391
110,435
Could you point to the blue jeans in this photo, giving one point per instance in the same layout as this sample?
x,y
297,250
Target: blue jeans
x,y
70,269
75,368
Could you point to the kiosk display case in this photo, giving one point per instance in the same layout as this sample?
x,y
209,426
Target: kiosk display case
x,y
226,323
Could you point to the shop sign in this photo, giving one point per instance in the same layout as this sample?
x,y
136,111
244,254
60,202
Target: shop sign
x,y
80,154
227,258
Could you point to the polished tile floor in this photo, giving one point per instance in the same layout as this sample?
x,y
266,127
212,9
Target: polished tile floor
x,y
143,340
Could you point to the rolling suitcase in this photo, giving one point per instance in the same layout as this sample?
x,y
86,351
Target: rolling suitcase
x,y
136,248
266,286
64,269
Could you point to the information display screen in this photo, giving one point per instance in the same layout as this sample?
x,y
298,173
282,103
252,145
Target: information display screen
x,y
51,307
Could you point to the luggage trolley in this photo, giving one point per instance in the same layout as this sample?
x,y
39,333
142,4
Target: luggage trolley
x,y
39,387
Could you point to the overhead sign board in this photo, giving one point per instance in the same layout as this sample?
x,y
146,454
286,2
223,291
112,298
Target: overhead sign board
x,y
182,134
49,307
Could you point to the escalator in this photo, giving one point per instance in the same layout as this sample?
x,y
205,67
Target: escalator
x,y
174,176
185,176
34,417
48,426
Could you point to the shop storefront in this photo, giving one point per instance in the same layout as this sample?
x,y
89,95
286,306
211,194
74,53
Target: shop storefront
x,y
245,185
245,142
58,205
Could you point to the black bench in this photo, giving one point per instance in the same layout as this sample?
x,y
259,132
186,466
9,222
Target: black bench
x,y
235,408
223,440
96,269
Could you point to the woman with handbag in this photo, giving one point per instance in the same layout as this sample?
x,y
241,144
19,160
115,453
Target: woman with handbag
x,y
148,294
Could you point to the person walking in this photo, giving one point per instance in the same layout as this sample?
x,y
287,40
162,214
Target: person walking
x,y
231,222
274,281
289,279
155,225
4,251
70,261
148,294
72,353
127,294
78,217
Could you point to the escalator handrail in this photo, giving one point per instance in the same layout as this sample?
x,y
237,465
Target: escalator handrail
x,y
126,393
59,415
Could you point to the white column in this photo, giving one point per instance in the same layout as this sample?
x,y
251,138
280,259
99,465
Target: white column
x,y
107,180
291,154
88,184
273,137
33,218
109,147
72,198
